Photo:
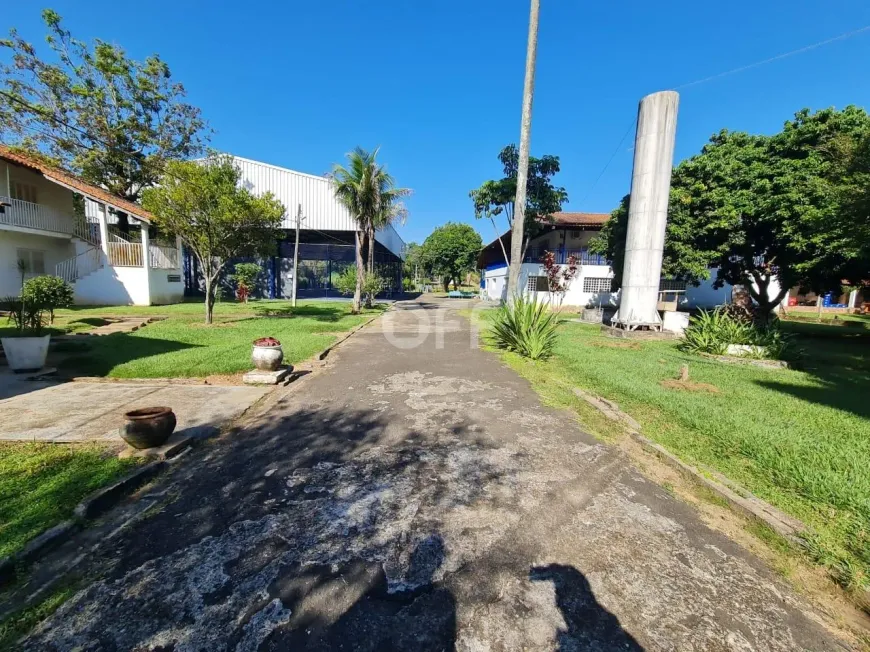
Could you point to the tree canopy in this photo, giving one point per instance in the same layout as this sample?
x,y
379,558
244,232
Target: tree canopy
x,y
450,251
216,218
496,197
93,110
791,206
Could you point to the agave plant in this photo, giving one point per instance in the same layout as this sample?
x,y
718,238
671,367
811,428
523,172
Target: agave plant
x,y
712,332
526,327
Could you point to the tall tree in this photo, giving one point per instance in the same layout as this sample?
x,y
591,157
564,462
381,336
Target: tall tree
x,y
371,197
518,227
762,208
450,251
90,108
216,218
498,197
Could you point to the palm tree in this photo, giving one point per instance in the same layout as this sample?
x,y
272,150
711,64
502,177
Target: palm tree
x,y
372,199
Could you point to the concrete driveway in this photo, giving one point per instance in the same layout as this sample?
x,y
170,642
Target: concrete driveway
x,y
416,495
81,411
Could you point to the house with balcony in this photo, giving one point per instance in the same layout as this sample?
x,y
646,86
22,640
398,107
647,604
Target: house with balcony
x,y
566,235
52,222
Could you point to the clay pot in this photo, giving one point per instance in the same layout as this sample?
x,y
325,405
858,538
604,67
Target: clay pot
x,y
267,357
148,427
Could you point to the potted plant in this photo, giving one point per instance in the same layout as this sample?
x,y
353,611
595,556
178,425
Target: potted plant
x,y
148,427
267,354
27,349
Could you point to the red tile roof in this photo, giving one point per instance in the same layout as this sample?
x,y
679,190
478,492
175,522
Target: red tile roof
x,y
74,183
580,219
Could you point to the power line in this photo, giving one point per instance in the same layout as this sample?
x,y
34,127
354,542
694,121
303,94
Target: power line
x,y
778,57
733,71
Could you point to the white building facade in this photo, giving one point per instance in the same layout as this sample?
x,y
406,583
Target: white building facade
x,y
41,233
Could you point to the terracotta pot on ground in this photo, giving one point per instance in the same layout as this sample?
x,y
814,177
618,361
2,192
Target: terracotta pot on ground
x,y
267,354
148,427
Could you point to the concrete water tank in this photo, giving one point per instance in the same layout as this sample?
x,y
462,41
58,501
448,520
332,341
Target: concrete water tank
x,y
648,212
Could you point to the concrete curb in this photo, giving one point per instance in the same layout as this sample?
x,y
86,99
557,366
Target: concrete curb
x,y
322,355
104,499
742,500
737,497
95,505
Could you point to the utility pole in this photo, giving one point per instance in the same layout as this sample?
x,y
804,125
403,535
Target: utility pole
x,y
299,219
518,229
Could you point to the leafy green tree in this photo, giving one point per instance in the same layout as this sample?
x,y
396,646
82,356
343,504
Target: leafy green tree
x,y
216,218
497,197
48,293
90,108
373,200
759,208
414,265
450,251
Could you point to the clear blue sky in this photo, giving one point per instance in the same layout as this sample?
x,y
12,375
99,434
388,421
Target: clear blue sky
x,y
438,85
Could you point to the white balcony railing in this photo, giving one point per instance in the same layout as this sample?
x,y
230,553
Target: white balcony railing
x,y
27,215
163,257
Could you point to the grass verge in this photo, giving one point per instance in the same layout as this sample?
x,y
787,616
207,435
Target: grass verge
x,y
40,485
183,346
798,439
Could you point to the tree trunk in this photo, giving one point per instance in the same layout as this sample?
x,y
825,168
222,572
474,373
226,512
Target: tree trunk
x,y
371,267
445,281
360,273
518,228
507,259
209,299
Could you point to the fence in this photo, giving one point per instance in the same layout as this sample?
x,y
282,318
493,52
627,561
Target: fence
x,y
33,216
79,266
583,256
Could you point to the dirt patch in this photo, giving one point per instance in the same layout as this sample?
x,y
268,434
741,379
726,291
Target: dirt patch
x,y
690,386
615,344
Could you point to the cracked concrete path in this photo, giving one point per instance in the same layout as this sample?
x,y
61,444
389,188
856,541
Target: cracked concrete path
x,y
421,498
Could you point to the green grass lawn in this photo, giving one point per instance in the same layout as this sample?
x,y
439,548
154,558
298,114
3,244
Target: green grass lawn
x,y
182,345
40,485
799,439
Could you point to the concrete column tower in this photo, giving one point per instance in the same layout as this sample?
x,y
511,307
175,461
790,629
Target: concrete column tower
x,y
648,212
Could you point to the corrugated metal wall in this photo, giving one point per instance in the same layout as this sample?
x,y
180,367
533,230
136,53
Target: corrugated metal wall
x,y
319,206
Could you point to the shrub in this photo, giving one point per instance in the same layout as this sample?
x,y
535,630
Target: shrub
x,y
712,332
526,327
346,283
47,293
245,276
27,317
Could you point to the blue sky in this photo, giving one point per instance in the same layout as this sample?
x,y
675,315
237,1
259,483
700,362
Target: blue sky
x,y
438,85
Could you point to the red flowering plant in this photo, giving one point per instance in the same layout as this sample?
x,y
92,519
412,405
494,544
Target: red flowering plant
x,y
559,277
267,341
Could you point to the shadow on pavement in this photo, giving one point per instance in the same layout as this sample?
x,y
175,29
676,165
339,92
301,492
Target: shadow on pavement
x,y
588,625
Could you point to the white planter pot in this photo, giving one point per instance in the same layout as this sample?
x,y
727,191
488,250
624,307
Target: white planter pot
x,y
26,353
267,358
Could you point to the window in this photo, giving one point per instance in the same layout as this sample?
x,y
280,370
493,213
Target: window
x,y
669,285
596,284
575,235
34,261
23,191
537,284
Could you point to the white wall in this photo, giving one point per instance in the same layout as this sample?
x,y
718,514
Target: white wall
x,y
705,296
113,286
55,250
163,290
495,285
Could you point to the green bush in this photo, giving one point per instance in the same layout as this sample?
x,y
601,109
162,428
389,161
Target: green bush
x,y
711,331
526,327
346,283
245,277
47,293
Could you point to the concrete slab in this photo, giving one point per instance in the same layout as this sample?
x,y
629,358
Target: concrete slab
x,y
257,377
76,412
